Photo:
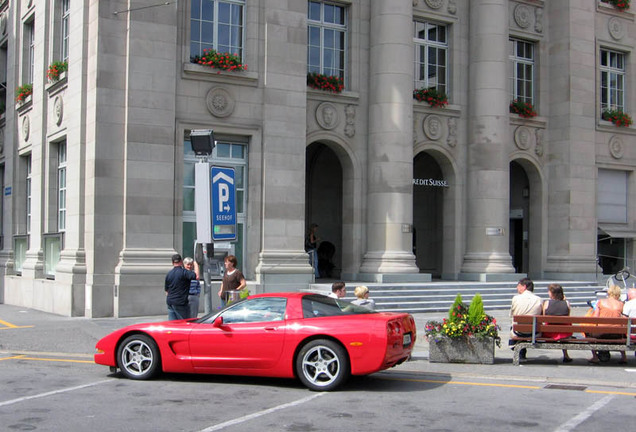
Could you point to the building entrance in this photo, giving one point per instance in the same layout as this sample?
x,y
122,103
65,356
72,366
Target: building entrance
x,y
428,203
323,206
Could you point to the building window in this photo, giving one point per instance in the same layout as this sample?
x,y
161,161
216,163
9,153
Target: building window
x,y
327,39
612,80
521,71
231,152
61,186
2,207
27,190
3,78
431,56
64,29
29,52
612,193
218,25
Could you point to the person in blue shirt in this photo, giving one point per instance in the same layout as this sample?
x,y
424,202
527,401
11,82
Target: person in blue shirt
x,y
177,287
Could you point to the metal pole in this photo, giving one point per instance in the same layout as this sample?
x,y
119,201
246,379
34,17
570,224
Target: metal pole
x,y
207,290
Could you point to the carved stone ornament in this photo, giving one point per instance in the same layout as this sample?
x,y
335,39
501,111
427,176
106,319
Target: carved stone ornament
x,y
58,110
434,4
522,16
3,23
452,132
220,102
538,149
523,137
350,120
452,7
616,147
327,116
26,128
538,20
615,27
433,127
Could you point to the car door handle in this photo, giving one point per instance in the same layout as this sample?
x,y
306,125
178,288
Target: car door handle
x,y
270,328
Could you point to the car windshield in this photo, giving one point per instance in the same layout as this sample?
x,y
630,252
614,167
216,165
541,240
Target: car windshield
x,y
317,305
261,309
212,315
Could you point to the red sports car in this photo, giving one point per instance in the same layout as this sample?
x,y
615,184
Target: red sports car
x,y
317,339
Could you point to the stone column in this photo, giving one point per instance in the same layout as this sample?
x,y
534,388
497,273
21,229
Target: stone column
x,y
487,216
390,170
572,161
282,259
135,228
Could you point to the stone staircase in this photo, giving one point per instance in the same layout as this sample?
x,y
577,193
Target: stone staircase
x,y
439,296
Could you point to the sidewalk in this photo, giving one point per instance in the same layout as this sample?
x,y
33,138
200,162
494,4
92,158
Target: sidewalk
x,y
28,330
541,365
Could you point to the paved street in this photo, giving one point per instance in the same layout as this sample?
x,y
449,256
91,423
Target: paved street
x,y
50,383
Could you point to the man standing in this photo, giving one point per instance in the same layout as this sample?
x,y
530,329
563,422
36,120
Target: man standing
x,y
338,290
524,303
177,287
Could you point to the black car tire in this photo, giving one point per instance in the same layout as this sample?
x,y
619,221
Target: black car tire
x,y
138,357
322,365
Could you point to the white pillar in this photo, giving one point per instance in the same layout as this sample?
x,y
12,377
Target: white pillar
x,y
487,217
390,171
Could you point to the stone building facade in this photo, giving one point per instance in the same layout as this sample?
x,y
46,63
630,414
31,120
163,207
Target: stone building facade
x,y
97,168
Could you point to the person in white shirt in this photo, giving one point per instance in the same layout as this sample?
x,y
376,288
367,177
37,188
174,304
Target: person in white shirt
x,y
629,308
338,290
524,303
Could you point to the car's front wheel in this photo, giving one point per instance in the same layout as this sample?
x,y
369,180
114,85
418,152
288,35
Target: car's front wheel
x,y
138,357
322,365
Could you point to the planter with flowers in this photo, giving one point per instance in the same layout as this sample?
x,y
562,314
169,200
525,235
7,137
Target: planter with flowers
x,y
523,109
222,61
618,4
323,82
432,96
23,93
618,117
56,70
468,335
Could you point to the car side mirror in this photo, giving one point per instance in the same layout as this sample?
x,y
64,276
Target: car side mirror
x,y
218,322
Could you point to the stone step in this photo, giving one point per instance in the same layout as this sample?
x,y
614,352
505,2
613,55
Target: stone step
x,y
439,296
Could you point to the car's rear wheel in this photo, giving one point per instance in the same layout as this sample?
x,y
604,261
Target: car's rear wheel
x,y
322,365
138,357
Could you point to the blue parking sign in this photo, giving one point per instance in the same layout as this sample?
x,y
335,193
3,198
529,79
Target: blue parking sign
x,y
223,203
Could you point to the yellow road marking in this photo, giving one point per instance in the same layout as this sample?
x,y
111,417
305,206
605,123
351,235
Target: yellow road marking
x,y
611,392
465,383
58,360
503,385
12,358
8,325
62,360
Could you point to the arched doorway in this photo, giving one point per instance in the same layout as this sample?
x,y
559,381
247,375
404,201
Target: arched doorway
x,y
323,205
519,217
428,214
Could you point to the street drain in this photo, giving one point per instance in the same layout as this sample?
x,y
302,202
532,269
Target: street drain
x,y
565,387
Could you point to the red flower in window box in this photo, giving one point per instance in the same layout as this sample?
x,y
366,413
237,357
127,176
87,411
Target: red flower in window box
x,y
432,96
330,83
524,109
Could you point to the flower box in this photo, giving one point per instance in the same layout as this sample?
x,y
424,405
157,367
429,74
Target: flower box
x,y
523,109
617,117
330,83
618,4
462,350
222,61
432,96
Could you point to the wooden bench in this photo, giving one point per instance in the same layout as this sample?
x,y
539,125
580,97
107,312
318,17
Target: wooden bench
x,y
583,329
